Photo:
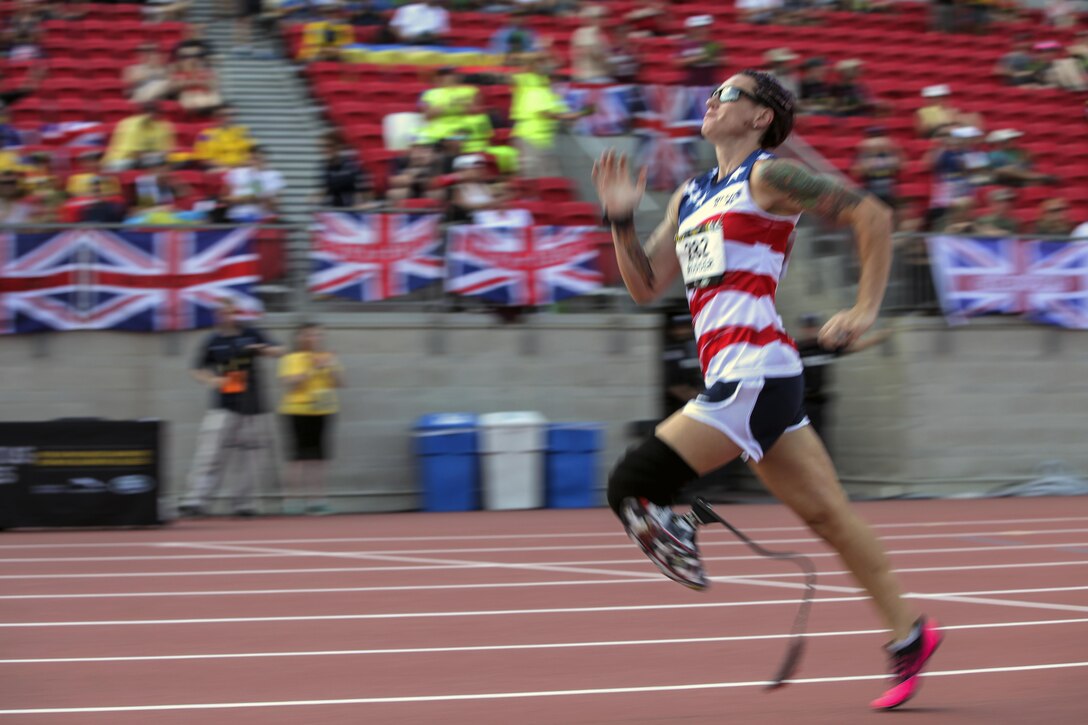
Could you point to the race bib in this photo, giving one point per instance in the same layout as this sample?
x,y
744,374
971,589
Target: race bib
x,y
702,257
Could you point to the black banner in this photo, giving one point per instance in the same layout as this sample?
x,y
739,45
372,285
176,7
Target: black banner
x,y
79,473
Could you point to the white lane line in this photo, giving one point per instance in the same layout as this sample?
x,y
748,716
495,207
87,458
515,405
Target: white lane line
x,y
511,549
525,694
522,535
755,581
421,615
633,561
551,610
641,579
519,647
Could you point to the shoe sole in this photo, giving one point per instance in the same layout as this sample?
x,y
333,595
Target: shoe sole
x,y
651,530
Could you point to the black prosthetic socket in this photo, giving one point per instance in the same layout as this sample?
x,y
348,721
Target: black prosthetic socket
x,y
650,470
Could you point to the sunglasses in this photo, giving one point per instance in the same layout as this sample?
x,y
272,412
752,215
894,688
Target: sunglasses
x,y
732,94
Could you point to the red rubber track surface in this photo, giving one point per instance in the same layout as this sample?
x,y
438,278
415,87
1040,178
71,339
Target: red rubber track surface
x,y
532,617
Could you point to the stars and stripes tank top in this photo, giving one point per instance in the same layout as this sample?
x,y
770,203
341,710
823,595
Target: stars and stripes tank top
x,y
732,254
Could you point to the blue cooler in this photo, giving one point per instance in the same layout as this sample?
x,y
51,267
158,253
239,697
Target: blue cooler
x,y
449,470
571,470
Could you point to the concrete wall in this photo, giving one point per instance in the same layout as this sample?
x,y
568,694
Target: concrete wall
x,y
933,410
586,367
951,411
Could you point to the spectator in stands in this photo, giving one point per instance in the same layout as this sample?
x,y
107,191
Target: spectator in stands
x,y
1054,218
940,114
323,38
1056,70
878,164
472,191
781,63
247,15
944,16
224,145
88,170
537,111
512,40
158,187
166,10
590,48
9,135
142,133
254,189
447,105
649,19
624,58
1062,13
101,207
815,90
1017,67
14,209
960,217
421,23
414,174
346,186
197,86
849,95
148,79
192,45
1011,165
28,87
41,185
701,55
22,36
948,162
759,11
1000,220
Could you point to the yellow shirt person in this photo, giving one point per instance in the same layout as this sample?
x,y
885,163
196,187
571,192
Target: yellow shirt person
x,y
312,379
134,136
223,146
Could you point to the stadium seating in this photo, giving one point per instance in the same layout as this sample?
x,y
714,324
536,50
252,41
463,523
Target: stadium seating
x,y
901,57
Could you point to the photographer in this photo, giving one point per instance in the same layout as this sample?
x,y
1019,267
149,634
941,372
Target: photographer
x,y
227,363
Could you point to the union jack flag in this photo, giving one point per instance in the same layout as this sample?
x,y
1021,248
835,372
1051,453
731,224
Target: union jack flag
x,y
1043,280
523,265
611,108
92,279
667,121
368,257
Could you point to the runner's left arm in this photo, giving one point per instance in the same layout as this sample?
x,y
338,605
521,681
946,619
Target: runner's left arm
x,y
786,187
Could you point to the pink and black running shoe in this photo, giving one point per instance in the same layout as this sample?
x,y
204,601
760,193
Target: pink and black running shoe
x,y
907,660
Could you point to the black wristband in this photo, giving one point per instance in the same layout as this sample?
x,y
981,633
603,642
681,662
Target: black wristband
x,y
621,222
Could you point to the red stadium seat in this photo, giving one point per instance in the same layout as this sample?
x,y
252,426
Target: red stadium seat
x,y
554,189
577,214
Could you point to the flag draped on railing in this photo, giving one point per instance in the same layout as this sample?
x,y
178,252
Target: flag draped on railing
x,y
368,257
140,281
522,265
1046,281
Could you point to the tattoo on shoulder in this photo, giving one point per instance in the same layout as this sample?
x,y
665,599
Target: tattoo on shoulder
x,y
811,191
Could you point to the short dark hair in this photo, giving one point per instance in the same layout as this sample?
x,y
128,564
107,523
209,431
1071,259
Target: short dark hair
x,y
776,97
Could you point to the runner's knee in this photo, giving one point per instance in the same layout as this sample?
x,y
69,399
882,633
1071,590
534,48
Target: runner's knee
x,y
650,470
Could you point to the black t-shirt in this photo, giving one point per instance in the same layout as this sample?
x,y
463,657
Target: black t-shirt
x,y
343,179
227,356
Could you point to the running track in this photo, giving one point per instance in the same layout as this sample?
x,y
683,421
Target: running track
x,y
530,617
